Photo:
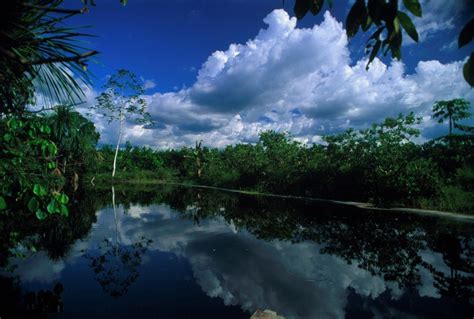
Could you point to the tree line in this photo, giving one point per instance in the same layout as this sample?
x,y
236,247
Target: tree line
x,y
381,164
44,147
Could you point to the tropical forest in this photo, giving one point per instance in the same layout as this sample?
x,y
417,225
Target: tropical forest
x,y
236,159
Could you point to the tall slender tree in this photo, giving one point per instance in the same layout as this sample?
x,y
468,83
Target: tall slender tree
x,y
121,100
452,110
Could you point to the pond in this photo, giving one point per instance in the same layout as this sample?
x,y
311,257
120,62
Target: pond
x,y
182,252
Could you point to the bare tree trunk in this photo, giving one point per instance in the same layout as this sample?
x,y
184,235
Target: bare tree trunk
x,y
118,144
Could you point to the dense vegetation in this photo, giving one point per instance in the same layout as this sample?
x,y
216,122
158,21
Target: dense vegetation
x,y
381,164
41,157
46,149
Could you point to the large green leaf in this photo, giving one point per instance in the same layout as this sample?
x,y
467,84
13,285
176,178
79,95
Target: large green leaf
x,y
413,6
41,215
53,207
33,204
63,199
64,211
408,25
39,190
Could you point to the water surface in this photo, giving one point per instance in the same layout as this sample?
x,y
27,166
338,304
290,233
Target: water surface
x,y
191,253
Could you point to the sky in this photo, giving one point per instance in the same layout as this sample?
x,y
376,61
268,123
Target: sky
x,y
223,71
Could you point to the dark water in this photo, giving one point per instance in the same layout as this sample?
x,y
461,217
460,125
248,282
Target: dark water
x,y
192,253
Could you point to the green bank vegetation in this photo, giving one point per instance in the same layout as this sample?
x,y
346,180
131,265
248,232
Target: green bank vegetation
x,y
46,150
381,164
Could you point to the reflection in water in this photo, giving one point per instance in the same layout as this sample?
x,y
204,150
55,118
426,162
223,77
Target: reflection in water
x,y
116,266
301,259
458,255
30,304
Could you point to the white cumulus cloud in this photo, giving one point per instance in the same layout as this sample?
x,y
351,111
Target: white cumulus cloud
x,y
292,79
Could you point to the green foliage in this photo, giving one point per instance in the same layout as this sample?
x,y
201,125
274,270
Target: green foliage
x,y
30,147
40,54
76,139
452,198
386,21
25,151
122,99
384,16
381,164
453,111
3,204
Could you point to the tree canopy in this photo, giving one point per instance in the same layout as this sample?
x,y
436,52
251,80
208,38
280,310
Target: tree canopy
x,y
453,111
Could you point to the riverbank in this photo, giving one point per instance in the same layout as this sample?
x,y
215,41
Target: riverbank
x,y
147,179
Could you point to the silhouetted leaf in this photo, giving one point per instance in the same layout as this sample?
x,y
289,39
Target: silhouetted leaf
x,y
316,6
413,6
467,33
374,52
468,70
367,24
375,8
357,15
301,8
407,25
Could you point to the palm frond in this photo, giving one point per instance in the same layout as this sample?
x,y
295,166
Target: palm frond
x,y
40,54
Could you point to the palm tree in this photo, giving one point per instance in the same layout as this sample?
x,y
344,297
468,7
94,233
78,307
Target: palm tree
x,y
40,53
452,110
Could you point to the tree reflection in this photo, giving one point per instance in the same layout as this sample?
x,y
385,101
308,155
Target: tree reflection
x,y
388,244
17,303
55,235
384,243
458,255
116,266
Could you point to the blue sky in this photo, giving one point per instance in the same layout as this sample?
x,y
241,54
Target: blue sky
x,y
216,71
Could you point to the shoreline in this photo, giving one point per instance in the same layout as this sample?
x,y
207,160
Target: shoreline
x,y
362,205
